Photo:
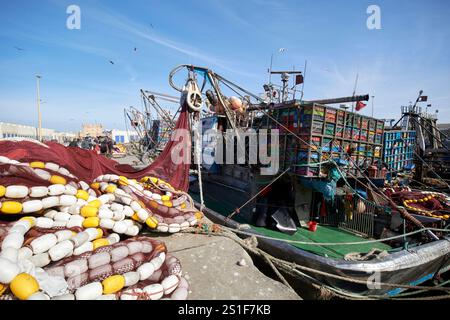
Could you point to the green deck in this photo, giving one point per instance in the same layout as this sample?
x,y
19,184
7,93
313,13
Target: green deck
x,y
324,234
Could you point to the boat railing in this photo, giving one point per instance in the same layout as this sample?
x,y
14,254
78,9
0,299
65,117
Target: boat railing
x,y
360,220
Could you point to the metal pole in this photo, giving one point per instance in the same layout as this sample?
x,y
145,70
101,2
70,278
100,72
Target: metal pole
x,y
354,91
304,78
373,98
38,77
270,69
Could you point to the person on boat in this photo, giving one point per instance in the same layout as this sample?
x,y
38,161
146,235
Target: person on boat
x,y
110,146
97,148
103,145
74,143
86,143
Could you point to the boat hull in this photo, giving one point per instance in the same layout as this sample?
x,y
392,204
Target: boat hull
x,y
406,267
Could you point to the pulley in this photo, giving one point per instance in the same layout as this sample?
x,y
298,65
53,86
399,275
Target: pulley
x,y
193,96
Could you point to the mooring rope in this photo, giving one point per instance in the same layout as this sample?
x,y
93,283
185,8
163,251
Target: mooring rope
x,y
293,267
336,243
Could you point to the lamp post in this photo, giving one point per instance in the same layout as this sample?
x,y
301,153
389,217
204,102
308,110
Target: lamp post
x,y
38,77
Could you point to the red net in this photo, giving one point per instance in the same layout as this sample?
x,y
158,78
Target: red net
x,y
419,202
88,165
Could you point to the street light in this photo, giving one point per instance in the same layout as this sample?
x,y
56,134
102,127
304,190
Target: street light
x,y
38,77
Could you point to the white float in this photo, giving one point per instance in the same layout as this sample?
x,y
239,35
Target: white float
x,y
16,192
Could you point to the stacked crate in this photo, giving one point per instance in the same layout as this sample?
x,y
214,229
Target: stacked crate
x,y
325,133
164,132
399,148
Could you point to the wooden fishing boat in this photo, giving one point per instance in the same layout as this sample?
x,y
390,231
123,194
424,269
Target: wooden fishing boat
x,y
326,208
413,265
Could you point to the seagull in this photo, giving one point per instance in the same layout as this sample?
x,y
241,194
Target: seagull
x,y
110,61
20,49
135,49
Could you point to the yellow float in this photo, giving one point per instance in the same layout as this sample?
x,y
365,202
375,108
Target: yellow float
x,y
23,286
11,207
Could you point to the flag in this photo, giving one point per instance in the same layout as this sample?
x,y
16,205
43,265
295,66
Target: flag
x,y
423,99
360,105
299,79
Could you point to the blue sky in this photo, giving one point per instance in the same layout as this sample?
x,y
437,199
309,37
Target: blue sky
x,y
233,37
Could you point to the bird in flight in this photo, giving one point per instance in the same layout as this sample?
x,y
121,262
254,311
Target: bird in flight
x,y
20,49
151,25
135,49
110,61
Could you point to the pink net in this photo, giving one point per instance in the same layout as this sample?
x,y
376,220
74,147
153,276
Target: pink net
x,y
88,165
419,202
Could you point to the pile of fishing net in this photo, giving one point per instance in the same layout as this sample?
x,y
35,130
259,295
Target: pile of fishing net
x,y
110,201
41,264
426,203
77,239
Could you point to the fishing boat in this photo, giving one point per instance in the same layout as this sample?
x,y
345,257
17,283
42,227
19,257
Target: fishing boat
x,y
330,207
153,125
432,154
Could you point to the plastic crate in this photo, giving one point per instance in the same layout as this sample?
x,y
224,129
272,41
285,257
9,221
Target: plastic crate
x,y
398,149
327,133
364,135
329,129
356,134
365,124
330,115
340,118
348,132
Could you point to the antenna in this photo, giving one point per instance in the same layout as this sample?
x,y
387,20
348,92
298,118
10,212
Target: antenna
x,y
285,79
303,84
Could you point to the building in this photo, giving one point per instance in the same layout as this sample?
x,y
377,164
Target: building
x,y
12,130
121,136
93,130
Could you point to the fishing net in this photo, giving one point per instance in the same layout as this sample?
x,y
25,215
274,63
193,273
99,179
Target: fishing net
x,y
426,203
79,238
87,165
80,227
138,268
